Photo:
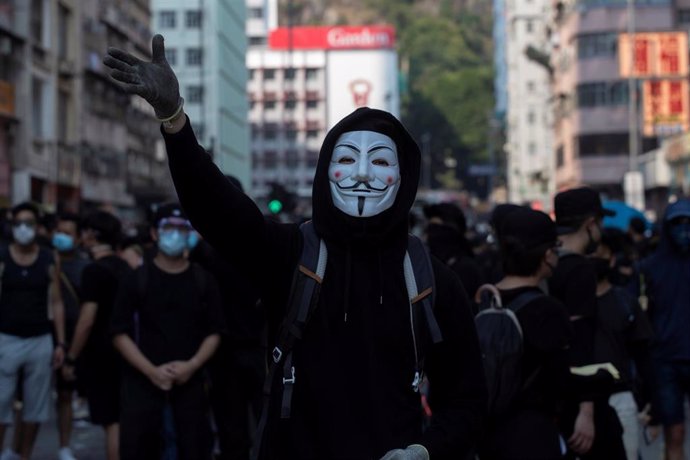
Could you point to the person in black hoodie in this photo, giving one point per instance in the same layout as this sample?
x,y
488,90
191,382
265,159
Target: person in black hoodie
x,y
445,236
353,397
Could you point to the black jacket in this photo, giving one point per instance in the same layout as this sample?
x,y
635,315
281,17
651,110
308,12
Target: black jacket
x,y
353,396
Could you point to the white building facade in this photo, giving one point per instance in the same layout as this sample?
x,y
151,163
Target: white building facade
x,y
303,80
530,157
206,45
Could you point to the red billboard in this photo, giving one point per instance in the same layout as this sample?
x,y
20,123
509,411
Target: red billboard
x,y
666,108
657,54
333,38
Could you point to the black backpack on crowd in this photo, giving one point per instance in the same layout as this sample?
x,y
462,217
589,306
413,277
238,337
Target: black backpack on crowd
x,y
304,298
501,343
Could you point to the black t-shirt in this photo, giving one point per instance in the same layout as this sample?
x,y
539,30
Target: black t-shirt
x,y
99,284
574,283
546,336
70,287
621,324
174,316
24,309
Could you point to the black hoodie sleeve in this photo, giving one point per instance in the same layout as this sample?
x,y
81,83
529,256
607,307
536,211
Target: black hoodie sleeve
x,y
226,217
458,395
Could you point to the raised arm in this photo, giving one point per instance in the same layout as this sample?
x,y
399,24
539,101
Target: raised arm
x,y
227,218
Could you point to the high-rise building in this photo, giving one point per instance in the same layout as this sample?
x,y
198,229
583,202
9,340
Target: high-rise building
x,y
591,90
303,80
529,146
205,44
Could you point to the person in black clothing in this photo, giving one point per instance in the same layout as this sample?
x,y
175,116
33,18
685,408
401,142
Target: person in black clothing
x,y
31,310
528,428
490,259
354,392
589,423
623,337
66,242
99,361
166,323
445,236
238,368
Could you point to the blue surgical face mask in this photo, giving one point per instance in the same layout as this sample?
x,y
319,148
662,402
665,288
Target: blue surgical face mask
x,y
192,240
680,234
24,234
63,242
172,242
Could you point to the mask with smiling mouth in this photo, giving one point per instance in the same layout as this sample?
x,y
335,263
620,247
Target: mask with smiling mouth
x,y
364,173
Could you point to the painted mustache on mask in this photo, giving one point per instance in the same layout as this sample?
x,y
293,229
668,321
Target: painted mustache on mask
x,y
368,187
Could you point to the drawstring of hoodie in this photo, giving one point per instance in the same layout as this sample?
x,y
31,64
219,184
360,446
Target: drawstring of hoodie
x,y
348,269
380,278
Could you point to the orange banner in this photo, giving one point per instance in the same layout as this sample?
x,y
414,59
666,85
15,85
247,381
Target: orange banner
x,y
666,107
658,54
6,98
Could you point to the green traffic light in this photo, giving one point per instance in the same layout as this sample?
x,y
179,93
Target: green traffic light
x,y
275,206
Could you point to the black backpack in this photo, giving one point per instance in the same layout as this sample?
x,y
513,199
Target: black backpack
x,y
501,344
304,297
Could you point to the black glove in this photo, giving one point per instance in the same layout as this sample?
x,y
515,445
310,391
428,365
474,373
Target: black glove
x,y
413,452
155,81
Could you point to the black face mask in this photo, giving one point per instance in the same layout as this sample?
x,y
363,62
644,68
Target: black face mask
x,y
591,244
602,266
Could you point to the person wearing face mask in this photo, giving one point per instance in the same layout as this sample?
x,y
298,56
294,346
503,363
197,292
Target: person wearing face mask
x,y
354,376
623,337
31,311
167,323
66,242
527,427
589,424
666,276
101,366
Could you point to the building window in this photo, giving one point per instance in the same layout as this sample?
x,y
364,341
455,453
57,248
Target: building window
x,y
291,159
312,104
270,105
167,19
531,117
193,57
269,74
312,158
171,56
291,134
311,74
532,148
683,16
290,104
252,72
529,26
270,134
312,133
195,94
257,41
597,45
63,31
193,19
256,13
530,86
39,108
270,159
63,116
560,157
290,74
602,94
38,22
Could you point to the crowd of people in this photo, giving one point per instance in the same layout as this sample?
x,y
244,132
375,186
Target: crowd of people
x,y
348,335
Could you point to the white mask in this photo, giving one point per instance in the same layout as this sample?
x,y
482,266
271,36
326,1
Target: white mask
x,y
364,173
23,234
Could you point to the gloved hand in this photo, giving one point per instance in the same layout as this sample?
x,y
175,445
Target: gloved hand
x,y
155,81
413,452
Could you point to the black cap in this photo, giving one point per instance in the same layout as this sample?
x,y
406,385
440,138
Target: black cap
x,y
167,211
573,206
532,228
448,213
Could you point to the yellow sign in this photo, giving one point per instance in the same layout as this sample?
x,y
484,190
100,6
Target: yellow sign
x,y
6,98
657,54
666,109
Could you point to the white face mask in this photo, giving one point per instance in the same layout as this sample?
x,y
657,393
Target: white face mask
x,y
364,173
23,234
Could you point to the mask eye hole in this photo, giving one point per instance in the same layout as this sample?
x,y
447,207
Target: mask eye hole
x,y
346,161
380,162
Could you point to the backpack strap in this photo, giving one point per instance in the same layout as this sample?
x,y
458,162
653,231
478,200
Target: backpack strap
x,y
303,299
522,300
420,283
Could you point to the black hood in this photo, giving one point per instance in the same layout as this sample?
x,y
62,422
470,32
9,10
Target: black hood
x,y
334,225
